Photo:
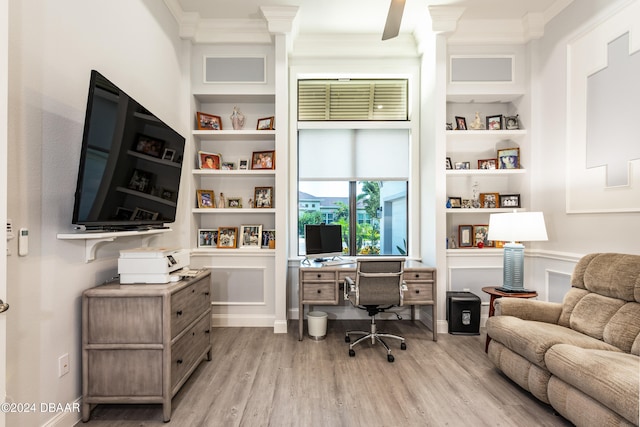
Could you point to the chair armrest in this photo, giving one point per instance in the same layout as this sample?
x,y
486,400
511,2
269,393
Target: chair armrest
x,y
349,286
528,309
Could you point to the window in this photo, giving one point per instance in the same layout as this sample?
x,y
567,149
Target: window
x,y
358,178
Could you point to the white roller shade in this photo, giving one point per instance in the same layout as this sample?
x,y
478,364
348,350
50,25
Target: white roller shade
x,y
346,154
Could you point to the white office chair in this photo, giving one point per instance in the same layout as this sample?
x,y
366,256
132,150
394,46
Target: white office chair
x,y
378,286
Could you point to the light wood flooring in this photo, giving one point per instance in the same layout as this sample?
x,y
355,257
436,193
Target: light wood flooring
x,y
258,378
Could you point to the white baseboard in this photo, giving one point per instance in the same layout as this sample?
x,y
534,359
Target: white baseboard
x,y
66,418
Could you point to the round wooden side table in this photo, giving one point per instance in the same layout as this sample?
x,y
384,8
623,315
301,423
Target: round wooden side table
x,y
495,293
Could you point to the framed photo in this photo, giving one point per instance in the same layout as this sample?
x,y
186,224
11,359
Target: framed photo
x,y
465,236
149,146
166,194
227,166
207,238
268,239
263,197
144,215
124,213
208,121
449,163
209,160
509,200
488,164
206,199
234,202
489,200
511,122
509,158
243,164
467,203
263,160
461,123
494,122
462,165
141,181
480,233
250,236
227,237
266,123
168,154
455,202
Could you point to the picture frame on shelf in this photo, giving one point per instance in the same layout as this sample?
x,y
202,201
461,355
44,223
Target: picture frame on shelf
x,y
206,199
462,165
207,238
227,166
449,163
166,194
168,154
243,164
124,213
263,197
455,202
149,146
512,122
461,123
509,158
234,202
465,236
268,239
494,122
140,214
489,200
250,236
467,203
480,233
488,164
208,160
263,160
141,181
227,237
208,121
510,201
266,123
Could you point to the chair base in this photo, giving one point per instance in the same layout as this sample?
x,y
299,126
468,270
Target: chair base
x,y
374,336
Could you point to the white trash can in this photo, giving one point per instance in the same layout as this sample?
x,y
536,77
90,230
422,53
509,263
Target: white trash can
x,y
317,324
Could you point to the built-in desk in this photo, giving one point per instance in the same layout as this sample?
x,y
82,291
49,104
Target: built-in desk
x,y
320,285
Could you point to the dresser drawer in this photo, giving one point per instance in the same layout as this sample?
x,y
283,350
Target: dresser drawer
x,y
318,275
344,274
189,348
320,292
418,293
189,303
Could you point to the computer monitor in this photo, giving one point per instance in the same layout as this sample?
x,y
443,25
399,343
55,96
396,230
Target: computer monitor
x,y
323,241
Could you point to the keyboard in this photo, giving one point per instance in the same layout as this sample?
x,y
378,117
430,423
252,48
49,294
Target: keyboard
x,y
338,262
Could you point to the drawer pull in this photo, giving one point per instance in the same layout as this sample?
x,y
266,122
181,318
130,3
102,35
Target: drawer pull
x,y
206,294
319,291
417,275
193,334
179,361
319,275
193,291
207,331
179,313
417,291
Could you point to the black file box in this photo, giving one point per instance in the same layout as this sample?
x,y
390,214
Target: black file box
x,y
463,313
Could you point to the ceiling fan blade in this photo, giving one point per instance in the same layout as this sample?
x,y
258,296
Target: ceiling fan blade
x,y
394,18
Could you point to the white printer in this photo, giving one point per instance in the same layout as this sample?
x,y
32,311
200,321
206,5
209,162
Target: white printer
x,y
151,265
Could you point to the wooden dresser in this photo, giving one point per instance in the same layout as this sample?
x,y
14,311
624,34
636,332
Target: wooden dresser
x,y
141,342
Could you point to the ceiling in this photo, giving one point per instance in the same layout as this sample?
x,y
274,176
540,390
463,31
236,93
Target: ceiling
x,y
368,16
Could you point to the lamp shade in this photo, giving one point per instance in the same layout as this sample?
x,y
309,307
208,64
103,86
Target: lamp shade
x,y
517,227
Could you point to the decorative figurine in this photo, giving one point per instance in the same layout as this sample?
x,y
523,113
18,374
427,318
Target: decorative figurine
x,y
477,124
221,201
452,242
237,119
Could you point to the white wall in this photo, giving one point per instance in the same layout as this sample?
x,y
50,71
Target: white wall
x,y
568,233
53,47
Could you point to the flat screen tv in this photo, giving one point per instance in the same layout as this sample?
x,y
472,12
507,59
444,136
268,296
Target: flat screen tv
x,y
130,164
323,241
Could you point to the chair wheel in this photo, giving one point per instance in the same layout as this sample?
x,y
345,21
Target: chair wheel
x,y
403,346
352,353
390,358
347,339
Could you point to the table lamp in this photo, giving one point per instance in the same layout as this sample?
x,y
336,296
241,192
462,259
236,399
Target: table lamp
x,y
515,227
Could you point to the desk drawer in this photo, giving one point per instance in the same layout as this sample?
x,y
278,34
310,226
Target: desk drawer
x,y
318,275
418,293
320,292
344,274
410,276
189,303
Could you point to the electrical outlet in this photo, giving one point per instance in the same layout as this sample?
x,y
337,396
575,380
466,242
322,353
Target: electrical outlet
x,y
63,365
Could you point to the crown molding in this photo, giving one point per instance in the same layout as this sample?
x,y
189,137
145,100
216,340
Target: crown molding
x,y
444,19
